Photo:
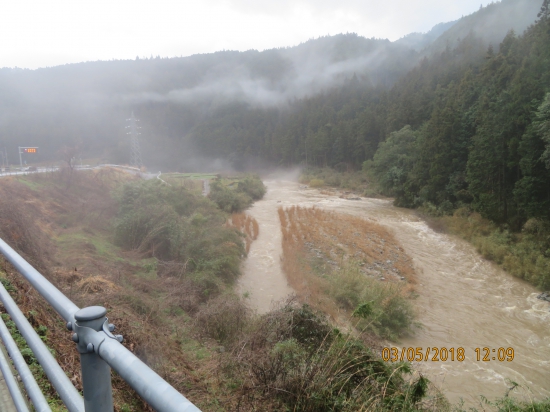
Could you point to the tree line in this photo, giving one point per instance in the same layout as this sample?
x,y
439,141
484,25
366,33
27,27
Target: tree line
x,y
468,126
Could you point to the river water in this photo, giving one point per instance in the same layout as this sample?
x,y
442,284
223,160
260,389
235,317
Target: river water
x,y
463,300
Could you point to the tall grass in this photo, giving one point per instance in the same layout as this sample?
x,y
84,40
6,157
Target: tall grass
x,y
294,356
525,254
177,225
356,181
324,256
234,198
390,313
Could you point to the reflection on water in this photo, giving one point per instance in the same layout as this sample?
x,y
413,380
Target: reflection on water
x,y
463,300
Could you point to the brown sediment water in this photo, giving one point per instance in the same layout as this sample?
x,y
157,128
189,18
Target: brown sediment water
x,y
464,301
263,281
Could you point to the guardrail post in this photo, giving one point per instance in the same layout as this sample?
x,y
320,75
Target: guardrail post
x,y
96,373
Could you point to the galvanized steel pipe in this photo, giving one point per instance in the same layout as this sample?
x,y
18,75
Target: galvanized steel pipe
x,y
34,392
62,384
156,391
150,386
53,296
12,385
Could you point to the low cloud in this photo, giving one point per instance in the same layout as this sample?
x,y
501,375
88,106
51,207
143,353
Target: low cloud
x,y
303,77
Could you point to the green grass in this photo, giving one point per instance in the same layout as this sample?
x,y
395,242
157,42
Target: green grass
x,y
93,244
385,310
202,176
196,349
31,184
356,181
39,375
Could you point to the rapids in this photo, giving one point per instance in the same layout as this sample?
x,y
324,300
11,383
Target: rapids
x,y
463,300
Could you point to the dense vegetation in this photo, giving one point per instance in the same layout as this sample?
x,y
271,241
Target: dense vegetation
x,y
235,196
176,225
331,94
171,279
457,128
208,343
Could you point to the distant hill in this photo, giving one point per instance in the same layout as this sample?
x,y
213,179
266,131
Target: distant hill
x,y
89,102
490,23
419,41
86,104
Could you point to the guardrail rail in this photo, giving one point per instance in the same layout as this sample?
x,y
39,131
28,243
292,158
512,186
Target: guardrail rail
x,y
100,350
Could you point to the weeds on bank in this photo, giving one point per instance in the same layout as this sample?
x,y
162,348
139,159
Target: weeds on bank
x,y
335,263
356,181
175,313
247,225
293,357
524,254
164,284
36,369
175,225
235,196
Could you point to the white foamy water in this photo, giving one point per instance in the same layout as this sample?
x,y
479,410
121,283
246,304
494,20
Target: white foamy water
x,y
463,300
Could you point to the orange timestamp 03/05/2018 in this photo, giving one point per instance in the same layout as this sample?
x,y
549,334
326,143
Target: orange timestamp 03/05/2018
x,y
443,354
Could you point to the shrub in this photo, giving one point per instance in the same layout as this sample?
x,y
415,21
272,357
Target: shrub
x,y
391,314
235,198
223,318
316,183
252,186
535,226
177,225
332,372
229,200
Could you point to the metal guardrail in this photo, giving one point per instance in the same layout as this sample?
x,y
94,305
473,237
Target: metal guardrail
x,y
99,350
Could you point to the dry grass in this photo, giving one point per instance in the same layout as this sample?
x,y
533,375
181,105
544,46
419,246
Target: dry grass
x,y
96,284
65,233
171,320
247,225
223,318
195,185
19,226
330,257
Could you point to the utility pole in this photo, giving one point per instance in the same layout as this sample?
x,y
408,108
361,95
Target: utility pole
x,y
135,160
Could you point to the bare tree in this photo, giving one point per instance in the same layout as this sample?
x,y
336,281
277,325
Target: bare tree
x,y
68,155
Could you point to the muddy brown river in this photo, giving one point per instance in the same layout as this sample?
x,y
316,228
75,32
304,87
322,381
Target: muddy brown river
x,y
463,300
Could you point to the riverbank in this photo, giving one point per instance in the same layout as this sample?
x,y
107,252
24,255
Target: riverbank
x,y
463,301
342,265
524,254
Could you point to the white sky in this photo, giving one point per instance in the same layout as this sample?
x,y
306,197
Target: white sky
x,y
40,33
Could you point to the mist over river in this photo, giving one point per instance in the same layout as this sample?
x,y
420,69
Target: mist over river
x,y
463,300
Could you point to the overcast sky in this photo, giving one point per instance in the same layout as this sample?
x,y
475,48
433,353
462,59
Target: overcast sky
x,y
40,33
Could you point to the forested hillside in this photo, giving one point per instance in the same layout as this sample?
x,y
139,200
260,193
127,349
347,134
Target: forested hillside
x,y
86,104
466,123
330,94
484,135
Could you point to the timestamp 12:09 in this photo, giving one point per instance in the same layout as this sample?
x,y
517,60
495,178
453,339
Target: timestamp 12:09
x,y
436,354
500,354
